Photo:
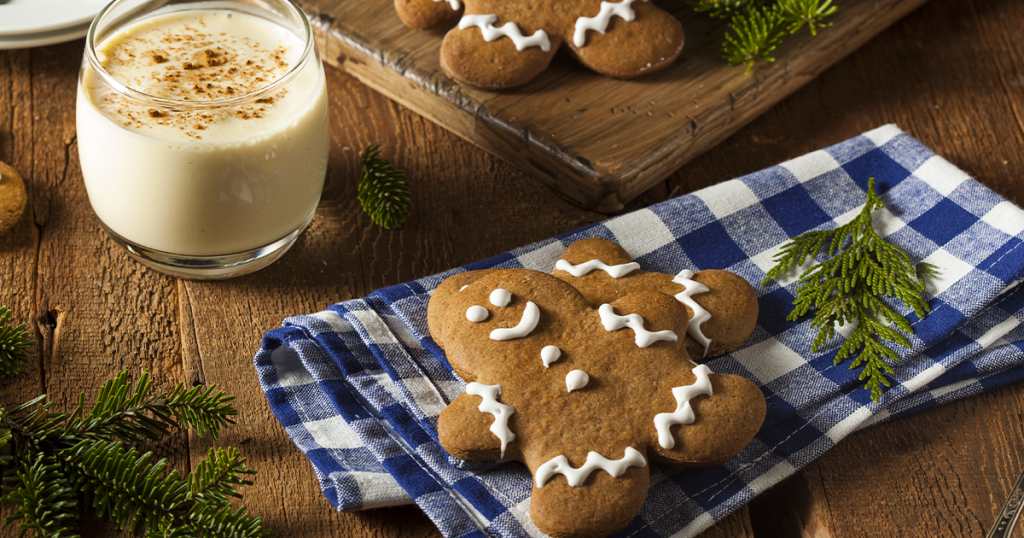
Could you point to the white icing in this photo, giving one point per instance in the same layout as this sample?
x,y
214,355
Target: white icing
x,y
615,271
486,25
644,338
500,297
477,313
526,325
464,287
500,411
549,355
683,414
599,23
456,4
699,314
595,461
576,379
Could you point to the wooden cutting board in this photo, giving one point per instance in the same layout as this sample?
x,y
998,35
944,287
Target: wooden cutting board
x,y
599,140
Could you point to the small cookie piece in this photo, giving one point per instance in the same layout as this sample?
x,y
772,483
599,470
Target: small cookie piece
x,y
501,44
428,14
12,198
586,423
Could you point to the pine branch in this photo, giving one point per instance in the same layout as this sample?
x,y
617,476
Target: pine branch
x,y
796,13
860,268
113,479
753,34
45,501
218,477
62,463
383,193
722,9
13,343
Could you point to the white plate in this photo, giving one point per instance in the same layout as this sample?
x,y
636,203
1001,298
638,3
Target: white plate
x,y
23,17
44,38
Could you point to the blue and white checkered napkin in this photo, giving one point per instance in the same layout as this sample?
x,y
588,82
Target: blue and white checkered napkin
x,y
359,386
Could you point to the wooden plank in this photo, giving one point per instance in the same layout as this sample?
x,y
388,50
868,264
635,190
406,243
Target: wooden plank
x,y
599,140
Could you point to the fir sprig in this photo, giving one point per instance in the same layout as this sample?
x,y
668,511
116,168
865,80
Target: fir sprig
x,y
754,34
383,193
860,270
13,343
60,464
757,27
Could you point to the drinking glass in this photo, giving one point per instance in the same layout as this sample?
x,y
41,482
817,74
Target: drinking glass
x,y
210,165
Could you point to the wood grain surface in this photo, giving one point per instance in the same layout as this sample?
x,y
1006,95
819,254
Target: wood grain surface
x,y
950,74
599,140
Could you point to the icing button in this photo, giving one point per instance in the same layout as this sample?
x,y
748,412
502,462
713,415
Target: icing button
x,y
576,379
477,313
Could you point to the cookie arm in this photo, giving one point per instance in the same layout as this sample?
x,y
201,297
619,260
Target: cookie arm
x,y
725,422
464,431
733,306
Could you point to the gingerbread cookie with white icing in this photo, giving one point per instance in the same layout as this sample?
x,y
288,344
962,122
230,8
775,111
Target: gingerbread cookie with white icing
x,y
500,44
584,397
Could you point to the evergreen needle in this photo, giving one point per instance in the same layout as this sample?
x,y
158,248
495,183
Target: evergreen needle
x,y
383,193
848,286
13,343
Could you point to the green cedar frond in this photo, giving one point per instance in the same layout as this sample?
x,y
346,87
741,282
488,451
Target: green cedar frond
x,y
217,477
383,193
847,287
45,502
13,343
722,9
753,34
796,13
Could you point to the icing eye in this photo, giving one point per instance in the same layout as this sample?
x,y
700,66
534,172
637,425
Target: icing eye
x,y
576,379
550,354
500,297
476,314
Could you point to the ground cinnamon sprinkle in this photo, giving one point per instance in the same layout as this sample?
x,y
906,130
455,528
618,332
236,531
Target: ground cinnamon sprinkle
x,y
193,65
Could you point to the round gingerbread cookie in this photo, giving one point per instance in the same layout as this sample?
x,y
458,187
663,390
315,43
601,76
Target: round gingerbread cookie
x,y
12,198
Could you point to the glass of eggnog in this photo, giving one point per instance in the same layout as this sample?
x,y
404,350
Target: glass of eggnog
x,y
202,131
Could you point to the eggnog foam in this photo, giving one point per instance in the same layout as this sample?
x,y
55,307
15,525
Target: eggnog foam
x,y
203,182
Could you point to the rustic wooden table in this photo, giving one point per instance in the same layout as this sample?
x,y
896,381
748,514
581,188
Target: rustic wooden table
x,y
951,74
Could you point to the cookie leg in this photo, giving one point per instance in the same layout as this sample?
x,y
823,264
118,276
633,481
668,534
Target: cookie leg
x,y
427,14
469,59
629,49
604,506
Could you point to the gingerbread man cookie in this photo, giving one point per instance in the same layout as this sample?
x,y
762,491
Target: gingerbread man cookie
x,y
499,45
721,306
584,397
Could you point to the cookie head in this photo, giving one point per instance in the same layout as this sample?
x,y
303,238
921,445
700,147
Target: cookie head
x,y
585,397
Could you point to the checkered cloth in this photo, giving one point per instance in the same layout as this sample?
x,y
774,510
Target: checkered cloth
x,y
359,386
